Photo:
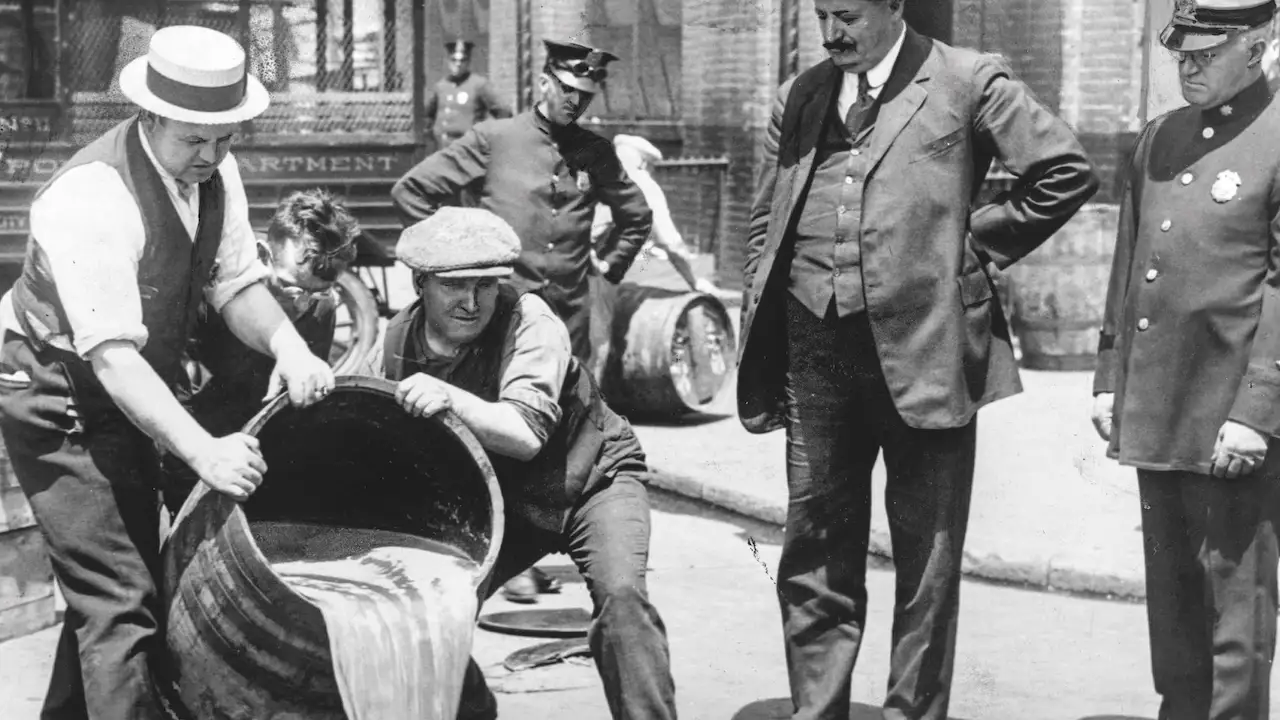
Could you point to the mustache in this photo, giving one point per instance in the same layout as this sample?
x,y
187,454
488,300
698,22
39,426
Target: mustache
x,y
837,46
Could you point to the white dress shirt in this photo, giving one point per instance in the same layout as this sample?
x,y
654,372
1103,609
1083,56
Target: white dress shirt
x,y
91,229
876,77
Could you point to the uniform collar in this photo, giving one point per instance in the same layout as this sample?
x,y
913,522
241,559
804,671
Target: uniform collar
x,y
541,122
1244,106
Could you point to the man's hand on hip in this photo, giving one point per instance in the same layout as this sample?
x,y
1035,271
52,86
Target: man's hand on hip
x,y
1103,404
232,465
307,378
1239,451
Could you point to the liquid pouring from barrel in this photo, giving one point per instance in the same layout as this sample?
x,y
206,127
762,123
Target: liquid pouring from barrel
x,y
351,480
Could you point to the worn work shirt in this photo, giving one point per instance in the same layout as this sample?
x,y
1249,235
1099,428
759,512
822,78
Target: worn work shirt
x,y
90,228
534,362
1191,336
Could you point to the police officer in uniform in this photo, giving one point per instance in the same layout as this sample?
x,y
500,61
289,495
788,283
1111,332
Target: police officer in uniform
x,y
1187,390
461,99
126,240
544,174
570,469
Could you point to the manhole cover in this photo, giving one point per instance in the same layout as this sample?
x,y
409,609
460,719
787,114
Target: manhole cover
x,y
555,623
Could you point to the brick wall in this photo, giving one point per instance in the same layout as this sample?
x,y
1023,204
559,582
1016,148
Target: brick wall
x,y
730,51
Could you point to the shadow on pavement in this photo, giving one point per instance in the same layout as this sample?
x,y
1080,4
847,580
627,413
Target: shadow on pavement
x,y
780,709
692,419
747,528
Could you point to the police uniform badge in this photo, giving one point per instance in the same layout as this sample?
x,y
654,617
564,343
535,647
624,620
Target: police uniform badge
x,y
584,182
1184,11
1225,186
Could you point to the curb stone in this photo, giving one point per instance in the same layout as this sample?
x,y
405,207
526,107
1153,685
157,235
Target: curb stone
x,y
992,568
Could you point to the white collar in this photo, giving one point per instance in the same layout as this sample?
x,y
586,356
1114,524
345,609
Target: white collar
x,y
879,75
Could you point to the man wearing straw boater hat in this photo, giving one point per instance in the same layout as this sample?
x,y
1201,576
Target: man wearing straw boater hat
x,y
461,98
570,469
1187,389
126,239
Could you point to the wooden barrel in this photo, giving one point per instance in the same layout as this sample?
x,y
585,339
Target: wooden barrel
x,y
1059,292
241,644
671,351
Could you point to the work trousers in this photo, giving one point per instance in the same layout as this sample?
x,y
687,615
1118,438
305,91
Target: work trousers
x,y
607,537
91,479
840,417
1210,549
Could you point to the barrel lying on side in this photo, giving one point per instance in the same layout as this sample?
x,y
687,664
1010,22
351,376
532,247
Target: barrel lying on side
x,y
672,352
242,645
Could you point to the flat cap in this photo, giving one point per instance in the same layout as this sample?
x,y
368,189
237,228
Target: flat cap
x,y
460,242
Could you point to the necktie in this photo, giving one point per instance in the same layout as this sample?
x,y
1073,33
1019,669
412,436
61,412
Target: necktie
x,y
858,111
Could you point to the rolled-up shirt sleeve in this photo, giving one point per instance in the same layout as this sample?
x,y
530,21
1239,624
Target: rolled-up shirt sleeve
x,y
238,264
534,365
90,230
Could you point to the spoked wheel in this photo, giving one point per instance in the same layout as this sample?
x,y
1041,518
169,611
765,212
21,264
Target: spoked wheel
x,y
356,328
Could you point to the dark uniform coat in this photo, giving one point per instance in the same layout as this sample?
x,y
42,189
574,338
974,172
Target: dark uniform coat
x,y
1191,337
545,182
455,105
944,114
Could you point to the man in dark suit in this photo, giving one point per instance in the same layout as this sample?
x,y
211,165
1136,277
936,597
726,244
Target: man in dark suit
x,y
1188,388
870,322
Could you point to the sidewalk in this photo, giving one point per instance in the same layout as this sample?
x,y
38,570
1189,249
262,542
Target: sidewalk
x,y
1049,509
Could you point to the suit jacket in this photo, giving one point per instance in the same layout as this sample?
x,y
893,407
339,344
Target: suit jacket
x,y
944,114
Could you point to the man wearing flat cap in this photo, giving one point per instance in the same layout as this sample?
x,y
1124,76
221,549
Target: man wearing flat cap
x,y
126,240
544,174
569,467
1187,389
461,99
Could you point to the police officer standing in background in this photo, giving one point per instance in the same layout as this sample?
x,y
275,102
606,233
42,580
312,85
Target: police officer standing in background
x,y
1188,388
461,99
544,174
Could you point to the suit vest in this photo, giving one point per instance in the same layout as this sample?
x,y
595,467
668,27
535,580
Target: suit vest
x,y
172,272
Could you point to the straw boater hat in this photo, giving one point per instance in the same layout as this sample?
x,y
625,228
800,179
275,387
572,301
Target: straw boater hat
x,y
1205,24
195,75
633,150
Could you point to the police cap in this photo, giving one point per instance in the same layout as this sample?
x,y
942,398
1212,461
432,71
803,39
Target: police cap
x,y
1205,24
578,66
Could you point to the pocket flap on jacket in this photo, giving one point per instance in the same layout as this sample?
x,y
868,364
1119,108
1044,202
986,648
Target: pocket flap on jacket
x,y
942,144
975,288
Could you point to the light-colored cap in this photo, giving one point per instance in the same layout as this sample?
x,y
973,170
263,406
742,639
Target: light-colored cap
x,y
460,242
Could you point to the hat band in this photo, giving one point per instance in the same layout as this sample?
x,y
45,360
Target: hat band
x,y
220,98
1251,17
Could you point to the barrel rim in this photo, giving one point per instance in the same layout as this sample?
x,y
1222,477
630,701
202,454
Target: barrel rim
x,y
381,386
686,302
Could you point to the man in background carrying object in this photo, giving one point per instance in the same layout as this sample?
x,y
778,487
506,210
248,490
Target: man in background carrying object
x,y
311,239
460,99
126,240
1187,389
570,468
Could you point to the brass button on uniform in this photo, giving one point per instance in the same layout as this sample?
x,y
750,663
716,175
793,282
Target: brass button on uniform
x,y
1164,226
837,272
848,180
1152,274
1207,133
855,152
1187,178
1143,324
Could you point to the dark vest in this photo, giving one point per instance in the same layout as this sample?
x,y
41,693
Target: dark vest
x,y
172,272
827,261
590,444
